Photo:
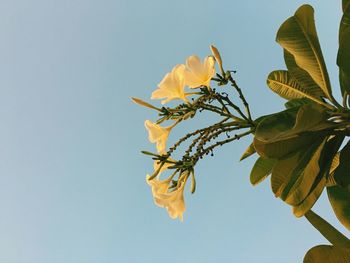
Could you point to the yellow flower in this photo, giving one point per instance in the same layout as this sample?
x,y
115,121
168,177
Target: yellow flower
x,y
199,74
172,86
158,135
172,201
158,187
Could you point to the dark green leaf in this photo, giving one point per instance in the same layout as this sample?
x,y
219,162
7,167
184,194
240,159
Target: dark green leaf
x,y
301,75
298,36
345,3
314,182
282,83
327,254
283,171
287,171
339,198
261,169
297,103
327,230
311,199
272,126
335,162
342,172
280,149
248,152
291,123
305,179
343,57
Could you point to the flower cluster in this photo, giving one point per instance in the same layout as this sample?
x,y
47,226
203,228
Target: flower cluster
x,y
194,74
190,83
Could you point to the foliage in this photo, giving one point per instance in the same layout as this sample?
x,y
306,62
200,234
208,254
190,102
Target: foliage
x,y
301,148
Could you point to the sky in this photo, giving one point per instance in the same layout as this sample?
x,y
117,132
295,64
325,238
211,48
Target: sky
x,y
72,179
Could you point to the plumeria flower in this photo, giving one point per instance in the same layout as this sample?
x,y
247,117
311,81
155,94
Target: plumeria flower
x,y
172,201
158,134
198,73
172,86
158,186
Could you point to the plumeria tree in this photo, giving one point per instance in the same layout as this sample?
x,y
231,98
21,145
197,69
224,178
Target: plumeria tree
x,y
303,148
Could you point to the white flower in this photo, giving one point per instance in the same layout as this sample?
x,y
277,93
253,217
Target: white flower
x,y
198,74
158,187
172,86
173,201
158,135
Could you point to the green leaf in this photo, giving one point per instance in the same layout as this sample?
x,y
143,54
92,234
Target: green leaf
x,y
330,178
311,199
283,171
287,171
299,178
310,117
327,230
280,149
282,83
272,126
327,254
248,152
343,57
301,75
297,103
335,162
342,172
289,123
300,189
298,36
261,169
339,198
345,4
319,182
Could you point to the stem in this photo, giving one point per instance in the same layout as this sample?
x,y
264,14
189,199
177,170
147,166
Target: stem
x,y
213,109
327,230
241,96
189,135
223,105
234,106
220,143
214,134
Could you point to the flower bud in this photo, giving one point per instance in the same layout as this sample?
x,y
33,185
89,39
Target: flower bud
x,y
217,57
143,103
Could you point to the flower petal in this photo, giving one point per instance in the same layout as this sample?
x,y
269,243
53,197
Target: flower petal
x,y
158,135
172,86
193,62
199,74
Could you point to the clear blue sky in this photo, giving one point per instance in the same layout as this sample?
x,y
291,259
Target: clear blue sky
x,y
72,180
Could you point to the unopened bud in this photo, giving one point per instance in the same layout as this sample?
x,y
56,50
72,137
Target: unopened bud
x,y
217,57
193,182
143,103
